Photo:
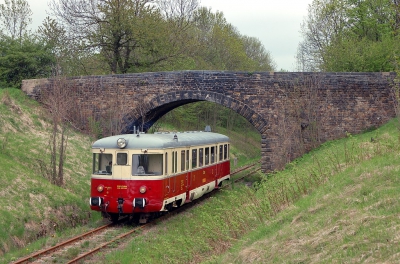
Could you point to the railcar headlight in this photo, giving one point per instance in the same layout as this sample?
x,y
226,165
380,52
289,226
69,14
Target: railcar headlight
x,y
100,188
142,189
121,142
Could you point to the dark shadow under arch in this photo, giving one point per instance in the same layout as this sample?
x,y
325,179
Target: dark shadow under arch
x,y
162,104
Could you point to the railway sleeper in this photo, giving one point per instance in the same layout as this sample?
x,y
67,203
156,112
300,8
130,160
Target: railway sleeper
x,y
144,218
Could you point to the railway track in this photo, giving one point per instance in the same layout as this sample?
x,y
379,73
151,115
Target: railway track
x,y
59,246
81,247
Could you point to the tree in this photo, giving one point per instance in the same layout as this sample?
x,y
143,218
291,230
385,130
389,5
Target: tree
x,y
129,35
23,59
222,47
256,52
22,55
396,20
361,55
15,16
59,102
350,35
180,11
325,20
368,43
71,58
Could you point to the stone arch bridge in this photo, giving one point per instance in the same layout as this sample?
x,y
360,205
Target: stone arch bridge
x,y
293,112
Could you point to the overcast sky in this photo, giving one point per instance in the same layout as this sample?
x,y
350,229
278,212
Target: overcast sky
x,y
276,23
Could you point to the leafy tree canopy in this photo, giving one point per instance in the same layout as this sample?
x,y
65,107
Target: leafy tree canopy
x,y
24,58
350,35
142,35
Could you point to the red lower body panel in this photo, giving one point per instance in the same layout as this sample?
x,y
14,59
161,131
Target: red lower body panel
x,y
118,196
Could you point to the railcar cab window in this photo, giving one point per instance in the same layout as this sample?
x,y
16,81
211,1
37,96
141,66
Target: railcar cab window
x,y
102,164
147,164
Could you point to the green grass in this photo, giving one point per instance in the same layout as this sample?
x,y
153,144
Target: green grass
x,y
31,208
339,203
352,218
33,212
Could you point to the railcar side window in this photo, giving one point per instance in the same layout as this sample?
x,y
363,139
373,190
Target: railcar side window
x,y
225,151
201,163
212,154
183,160
166,163
220,152
187,159
122,158
194,158
102,164
207,156
147,164
174,161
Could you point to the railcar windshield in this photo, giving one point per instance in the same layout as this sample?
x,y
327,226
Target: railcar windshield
x,y
102,164
147,164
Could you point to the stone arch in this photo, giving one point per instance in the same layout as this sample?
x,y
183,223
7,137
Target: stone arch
x,y
163,103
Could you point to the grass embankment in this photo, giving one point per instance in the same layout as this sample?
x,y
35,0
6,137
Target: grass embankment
x,y
339,203
33,212
31,207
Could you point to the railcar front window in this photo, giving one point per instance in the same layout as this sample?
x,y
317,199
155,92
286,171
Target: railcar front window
x,y
122,158
102,164
147,164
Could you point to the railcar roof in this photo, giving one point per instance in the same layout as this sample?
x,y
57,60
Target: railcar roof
x,y
162,140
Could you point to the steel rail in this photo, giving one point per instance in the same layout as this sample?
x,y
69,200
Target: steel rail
x,y
62,244
105,244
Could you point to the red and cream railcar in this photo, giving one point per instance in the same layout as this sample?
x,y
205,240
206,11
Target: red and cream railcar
x,y
140,174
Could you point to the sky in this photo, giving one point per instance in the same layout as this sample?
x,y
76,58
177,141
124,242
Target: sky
x,y
276,23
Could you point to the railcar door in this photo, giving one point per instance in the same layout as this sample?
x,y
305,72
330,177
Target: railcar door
x,y
121,168
188,180
166,181
193,165
167,186
213,156
219,159
185,163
